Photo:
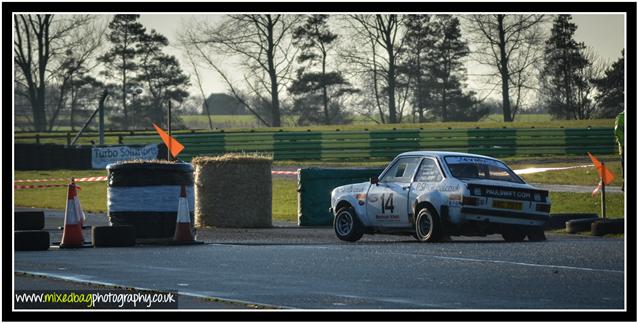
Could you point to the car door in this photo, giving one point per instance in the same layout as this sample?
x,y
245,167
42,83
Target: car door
x,y
387,201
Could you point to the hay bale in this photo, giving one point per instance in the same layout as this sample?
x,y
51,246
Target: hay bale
x,y
233,191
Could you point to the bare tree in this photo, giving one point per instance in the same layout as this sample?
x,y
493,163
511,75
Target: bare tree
x,y
263,43
39,39
364,67
199,85
510,44
74,66
385,31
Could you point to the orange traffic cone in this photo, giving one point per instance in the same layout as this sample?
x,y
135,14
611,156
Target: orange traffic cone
x,y
72,234
183,231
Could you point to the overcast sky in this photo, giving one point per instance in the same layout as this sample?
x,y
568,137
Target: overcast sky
x,y
604,33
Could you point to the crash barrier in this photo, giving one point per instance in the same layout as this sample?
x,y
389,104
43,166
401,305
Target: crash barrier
x,y
53,156
579,225
28,220
234,191
315,186
385,144
113,236
558,220
609,226
28,231
145,194
31,240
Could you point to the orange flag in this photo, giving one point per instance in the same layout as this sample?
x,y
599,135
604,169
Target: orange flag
x,y
173,145
603,172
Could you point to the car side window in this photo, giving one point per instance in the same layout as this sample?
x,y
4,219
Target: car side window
x,y
429,172
402,171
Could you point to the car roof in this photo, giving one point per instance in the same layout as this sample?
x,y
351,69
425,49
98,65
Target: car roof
x,y
434,153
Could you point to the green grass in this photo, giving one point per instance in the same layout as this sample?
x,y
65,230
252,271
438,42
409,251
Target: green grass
x,y
520,117
563,202
574,176
284,200
219,121
92,194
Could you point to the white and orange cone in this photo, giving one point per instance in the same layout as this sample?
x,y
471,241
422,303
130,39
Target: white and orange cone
x,y
72,234
77,201
183,230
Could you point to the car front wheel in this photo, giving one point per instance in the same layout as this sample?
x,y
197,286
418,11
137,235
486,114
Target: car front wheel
x,y
347,226
428,227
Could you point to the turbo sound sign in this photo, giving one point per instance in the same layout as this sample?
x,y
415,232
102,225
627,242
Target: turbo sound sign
x,y
102,156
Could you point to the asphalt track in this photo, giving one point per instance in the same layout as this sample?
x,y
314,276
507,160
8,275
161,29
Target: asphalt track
x,y
308,268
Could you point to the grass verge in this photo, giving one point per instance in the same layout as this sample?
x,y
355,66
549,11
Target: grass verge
x,y
284,203
575,176
563,202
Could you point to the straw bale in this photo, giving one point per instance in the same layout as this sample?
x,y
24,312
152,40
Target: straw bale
x,y
233,191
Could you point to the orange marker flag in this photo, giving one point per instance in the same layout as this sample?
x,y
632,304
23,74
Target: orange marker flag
x,y
173,145
603,172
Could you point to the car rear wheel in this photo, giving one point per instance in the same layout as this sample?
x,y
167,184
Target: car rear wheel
x,y
428,228
513,235
347,226
536,234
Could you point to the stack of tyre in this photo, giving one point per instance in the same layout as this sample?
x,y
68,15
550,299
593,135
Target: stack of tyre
x,y
29,232
581,222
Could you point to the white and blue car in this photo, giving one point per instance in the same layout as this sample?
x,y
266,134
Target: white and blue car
x,y
433,195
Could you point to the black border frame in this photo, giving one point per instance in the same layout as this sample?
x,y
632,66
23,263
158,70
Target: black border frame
x,y
8,8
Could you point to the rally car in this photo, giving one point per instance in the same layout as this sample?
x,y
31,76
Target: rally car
x,y
433,195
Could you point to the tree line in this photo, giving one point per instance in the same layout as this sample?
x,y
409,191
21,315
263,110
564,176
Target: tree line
x,y
321,69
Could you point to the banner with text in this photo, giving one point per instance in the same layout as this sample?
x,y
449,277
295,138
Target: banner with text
x,y
102,156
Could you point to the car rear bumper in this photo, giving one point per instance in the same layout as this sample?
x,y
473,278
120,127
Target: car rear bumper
x,y
500,216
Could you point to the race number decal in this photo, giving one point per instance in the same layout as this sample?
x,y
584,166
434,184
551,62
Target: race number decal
x,y
387,204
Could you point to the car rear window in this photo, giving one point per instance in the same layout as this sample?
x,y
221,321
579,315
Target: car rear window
x,y
480,168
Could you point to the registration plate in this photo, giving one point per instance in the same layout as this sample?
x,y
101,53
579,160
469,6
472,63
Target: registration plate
x,y
507,205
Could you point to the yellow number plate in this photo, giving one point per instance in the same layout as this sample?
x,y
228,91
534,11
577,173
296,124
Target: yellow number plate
x,y
507,205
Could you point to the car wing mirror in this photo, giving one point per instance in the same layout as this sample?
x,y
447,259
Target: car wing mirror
x,y
374,180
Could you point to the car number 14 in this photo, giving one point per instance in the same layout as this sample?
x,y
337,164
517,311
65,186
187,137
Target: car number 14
x,y
387,204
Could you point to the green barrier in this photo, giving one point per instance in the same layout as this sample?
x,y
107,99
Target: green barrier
x,y
315,186
386,144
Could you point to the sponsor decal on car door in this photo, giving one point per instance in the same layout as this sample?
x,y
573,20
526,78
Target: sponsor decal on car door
x,y
387,204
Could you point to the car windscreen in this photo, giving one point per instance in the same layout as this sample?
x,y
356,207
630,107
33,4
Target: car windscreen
x,y
464,167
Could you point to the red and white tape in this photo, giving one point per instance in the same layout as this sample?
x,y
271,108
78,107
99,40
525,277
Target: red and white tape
x,y
82,179
95,179
281,172
24,187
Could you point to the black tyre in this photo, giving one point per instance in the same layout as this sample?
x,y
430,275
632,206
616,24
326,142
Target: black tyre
x,y
113,236
347,226
29,220
513,234
557,220
579,225
427,225
536,234
32,240
600,228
